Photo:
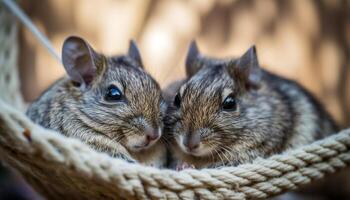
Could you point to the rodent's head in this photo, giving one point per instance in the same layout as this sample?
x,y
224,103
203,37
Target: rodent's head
x,y
114,95
214,114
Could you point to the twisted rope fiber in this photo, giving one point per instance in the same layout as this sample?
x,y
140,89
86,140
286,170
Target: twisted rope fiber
x,y
59,167
9,82
261,179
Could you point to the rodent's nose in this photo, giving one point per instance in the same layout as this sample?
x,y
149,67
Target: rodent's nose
x,y
192,141
192,146
152,134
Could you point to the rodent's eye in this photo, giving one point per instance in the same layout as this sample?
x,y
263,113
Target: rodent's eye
x,y
177,100
113,94
229,104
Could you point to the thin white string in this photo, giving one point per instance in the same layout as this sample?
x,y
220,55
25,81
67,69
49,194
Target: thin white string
x,y
18,12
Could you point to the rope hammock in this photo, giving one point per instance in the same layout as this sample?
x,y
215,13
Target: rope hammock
x,y
59,167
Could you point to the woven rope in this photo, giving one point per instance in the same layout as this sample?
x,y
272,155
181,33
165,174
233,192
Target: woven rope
x,y
9,84
60,167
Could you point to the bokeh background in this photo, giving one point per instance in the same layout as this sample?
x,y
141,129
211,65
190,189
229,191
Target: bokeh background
x,y
305,40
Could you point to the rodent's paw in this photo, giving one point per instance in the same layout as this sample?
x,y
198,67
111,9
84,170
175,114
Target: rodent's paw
x,y
184,165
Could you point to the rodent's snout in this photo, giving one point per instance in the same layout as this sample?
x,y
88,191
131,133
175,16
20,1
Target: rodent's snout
x,y
151,136
152,133
191,142
144,138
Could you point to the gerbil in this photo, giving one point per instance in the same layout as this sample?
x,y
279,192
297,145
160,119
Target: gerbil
x,y
110,103
231,111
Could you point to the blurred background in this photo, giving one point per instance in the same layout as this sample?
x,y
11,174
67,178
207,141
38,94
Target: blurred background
x,y
305,40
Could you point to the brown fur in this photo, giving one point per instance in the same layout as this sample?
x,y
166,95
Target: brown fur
x,y
273,114
108,127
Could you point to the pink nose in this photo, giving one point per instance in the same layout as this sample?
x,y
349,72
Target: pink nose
x,y
192,141
192,146
152,134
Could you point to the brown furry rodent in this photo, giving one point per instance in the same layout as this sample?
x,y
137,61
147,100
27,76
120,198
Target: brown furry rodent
x,y
110,103
231,111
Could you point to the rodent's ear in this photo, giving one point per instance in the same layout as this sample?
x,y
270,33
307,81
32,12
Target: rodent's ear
x,y
79,60
192,60
246,70
134,53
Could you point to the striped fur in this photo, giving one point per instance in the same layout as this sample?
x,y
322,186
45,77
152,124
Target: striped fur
x,y
276,115
108,127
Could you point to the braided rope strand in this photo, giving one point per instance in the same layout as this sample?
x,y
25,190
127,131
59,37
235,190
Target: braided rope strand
x,y
261,179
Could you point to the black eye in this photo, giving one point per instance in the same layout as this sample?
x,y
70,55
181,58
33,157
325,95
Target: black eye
x,y
177,100
229,104
113,94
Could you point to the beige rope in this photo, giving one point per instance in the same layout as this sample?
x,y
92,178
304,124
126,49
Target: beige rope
x,y
9,84
60,167
24,145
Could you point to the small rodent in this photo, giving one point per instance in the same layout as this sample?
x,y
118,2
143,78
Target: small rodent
x,y
110,103
231,111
